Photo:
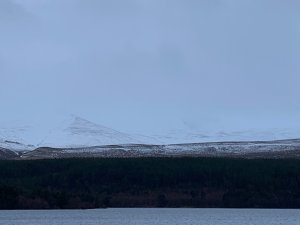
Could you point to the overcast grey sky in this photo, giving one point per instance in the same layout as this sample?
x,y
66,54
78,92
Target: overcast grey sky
x,y
140,65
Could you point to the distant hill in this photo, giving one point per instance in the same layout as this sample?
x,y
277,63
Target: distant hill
x,y
74,136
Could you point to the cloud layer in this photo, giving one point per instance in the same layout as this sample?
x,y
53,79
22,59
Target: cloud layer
x,y
139,64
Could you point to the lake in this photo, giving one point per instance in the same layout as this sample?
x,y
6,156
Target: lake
x,y
152,216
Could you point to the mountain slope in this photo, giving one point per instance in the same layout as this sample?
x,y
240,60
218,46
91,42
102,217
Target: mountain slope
x,y
78,132
7,154
15,146
17,137
72,131
201,136
258,149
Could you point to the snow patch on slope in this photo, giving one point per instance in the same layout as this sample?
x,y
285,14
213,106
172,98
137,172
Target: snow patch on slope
x,y
188,136
78,132
75,132
16,137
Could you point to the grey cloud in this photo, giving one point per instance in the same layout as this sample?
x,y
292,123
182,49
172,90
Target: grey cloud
x,y
118,60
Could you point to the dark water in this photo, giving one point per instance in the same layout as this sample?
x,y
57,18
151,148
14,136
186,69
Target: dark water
x,y
152,217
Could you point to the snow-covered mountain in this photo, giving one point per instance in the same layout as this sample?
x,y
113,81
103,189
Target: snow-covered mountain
x,y
76,132
70,132
18,137
258,149
15,146
194,136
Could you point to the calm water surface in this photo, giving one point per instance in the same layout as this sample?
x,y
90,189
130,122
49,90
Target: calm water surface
x,y
152,217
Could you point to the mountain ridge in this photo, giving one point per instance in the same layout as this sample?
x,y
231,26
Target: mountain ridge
x,y
75,132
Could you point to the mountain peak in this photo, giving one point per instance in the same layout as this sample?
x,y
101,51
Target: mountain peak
x,y
84,123
78,132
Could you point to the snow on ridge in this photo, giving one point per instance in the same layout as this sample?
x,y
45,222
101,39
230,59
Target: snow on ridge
x,y
15,146
16,137
71,132
79,132
181,136
75,132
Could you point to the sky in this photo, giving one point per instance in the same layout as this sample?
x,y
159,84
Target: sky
x,y
149,65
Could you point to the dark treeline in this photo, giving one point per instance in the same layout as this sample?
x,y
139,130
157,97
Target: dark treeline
x,y
150,182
